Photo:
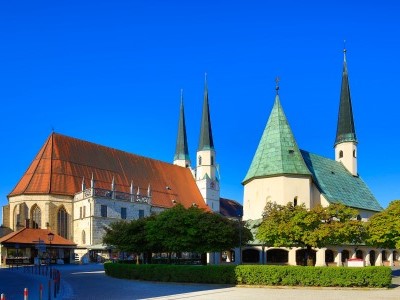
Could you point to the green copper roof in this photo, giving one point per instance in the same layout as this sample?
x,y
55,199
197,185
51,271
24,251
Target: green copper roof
x,y
345,127
277,152
206,139
338,185
181,150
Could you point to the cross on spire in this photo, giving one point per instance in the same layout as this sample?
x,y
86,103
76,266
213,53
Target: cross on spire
x,y
277,79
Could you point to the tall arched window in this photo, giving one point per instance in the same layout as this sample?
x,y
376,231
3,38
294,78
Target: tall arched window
x,y
36,216
295,201
62,222
212,160
354,153
199,160
83,237
340,154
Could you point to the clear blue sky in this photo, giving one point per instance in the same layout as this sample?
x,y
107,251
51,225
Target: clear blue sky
x,y
110,72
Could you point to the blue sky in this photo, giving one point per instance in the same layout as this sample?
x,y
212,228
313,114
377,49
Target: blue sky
x,y
110,72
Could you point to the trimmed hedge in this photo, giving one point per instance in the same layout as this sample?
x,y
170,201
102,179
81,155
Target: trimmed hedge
x,y
173,273
256,275
314,276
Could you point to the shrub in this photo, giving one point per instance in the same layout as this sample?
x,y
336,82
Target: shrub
x,y
256,275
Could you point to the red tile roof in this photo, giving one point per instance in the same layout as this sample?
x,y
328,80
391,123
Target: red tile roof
x,y
32,236
63,161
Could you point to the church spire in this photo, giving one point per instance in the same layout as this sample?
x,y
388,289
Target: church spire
x,y
345,126
277,153
346,140
181,151
206,139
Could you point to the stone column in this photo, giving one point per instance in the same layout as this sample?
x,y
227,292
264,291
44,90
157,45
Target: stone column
x,y
292,256
338,258
367,259
320,258
390,258
378,261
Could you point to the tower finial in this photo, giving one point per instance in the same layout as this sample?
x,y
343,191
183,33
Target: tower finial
x,y
277,79
344,49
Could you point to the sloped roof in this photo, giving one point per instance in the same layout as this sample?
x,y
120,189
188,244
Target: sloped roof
x,y
63,161
230,208
345,126
181,150
206,141
32,236
338,185
277,152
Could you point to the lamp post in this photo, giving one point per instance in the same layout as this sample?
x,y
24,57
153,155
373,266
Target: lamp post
x,y
240,237
50,236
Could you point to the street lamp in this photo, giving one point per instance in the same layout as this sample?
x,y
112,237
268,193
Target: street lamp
x,y
240,237
50,236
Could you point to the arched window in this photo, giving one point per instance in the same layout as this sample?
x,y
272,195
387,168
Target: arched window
x,y
199,160
354,153
83,237
212,160
62,222
295,201
340,154
36,216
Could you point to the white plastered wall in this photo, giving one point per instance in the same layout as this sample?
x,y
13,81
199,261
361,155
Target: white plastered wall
x,y
280,189
349,160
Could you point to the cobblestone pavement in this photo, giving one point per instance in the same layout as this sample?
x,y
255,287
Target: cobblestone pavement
x,y
90,282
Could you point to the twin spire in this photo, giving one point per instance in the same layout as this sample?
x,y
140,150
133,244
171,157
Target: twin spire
x,y
181,150
345,126
206,139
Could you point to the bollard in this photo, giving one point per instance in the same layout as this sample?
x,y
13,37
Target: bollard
x,y
49,290
40,292
25,294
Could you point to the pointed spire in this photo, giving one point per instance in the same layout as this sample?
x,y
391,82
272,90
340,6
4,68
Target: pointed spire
x,y
149,191
181,150
277,152
92,182
131,188
113,184
83,184
206,140
345,127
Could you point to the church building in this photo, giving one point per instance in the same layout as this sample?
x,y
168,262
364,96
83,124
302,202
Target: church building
x,y
75,189
280,172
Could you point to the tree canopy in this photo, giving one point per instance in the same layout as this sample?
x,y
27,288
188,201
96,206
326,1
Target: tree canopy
x,y
178,229
384,227
289,226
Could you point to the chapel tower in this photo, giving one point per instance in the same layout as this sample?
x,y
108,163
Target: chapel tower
x,y
206,178
278,172
346,139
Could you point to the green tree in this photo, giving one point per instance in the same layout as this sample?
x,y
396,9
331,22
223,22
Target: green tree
x,y
129,236
383,228
297,226
179,229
